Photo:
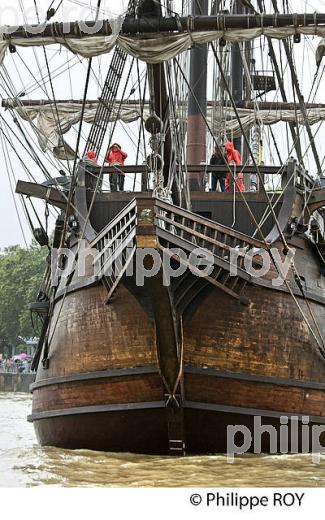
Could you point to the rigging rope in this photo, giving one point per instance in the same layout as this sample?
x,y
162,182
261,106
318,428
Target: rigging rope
x,y
10,93
86,220
300,97
56,108
11,187
284,242
267,213
106,102
217,144
321,346
74,177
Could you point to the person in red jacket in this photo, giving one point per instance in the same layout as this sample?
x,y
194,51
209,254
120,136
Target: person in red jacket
x,y
90,157
233,157
116,156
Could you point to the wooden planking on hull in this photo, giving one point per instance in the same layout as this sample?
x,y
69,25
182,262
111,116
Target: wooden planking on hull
x,y
108,431
212,388
215,439
120,409
268,338
121,390
145,430
92,336
256,395
93,365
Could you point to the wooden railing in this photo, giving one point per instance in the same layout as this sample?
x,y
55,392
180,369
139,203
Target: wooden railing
x,y
202,232
116,246
182,229
175,228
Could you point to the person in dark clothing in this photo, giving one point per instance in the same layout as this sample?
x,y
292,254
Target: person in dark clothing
x,y
218,159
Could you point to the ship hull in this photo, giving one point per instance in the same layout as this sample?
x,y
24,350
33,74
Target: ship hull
x,y
103,389
211,425
145,432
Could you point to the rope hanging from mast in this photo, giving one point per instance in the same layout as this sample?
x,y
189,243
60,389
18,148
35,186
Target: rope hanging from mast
x,y
300,97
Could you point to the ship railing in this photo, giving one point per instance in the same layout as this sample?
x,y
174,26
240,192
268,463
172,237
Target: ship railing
x,y
203,233
143,174
179,229
304,182
175,228
116,227
116,247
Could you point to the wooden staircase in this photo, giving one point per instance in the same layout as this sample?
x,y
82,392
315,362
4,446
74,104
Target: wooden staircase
x,y
174,227
116,248
183,229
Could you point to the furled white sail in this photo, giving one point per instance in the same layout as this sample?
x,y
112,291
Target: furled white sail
x,y
87,47
155,48
249,118
44,119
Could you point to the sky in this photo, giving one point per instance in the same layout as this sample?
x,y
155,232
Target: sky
x,y
21,68
26,70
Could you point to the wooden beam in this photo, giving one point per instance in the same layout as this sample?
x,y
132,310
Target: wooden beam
x,y
38,191
129,169
250,105
316,201
133,25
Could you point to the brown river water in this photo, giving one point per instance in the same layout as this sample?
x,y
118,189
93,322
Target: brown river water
x,y
24,464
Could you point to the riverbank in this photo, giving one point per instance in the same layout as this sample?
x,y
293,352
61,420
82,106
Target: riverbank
x,y
10,382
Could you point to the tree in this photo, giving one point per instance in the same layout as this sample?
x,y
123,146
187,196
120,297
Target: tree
x,y
21,272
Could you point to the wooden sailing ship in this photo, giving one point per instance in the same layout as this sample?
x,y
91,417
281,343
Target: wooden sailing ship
x,y
165,368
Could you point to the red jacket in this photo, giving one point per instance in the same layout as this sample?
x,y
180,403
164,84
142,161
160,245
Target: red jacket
x,y
91,156
116,156
232,153
234,156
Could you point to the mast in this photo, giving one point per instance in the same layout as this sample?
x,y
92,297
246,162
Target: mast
x,y
237,72
159,99
197,106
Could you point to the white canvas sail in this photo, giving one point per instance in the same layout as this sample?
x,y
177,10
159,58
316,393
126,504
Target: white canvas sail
x,y
44,119
51,123
156,48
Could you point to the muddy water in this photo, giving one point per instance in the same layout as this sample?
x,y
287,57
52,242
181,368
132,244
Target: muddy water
x,y
24,463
